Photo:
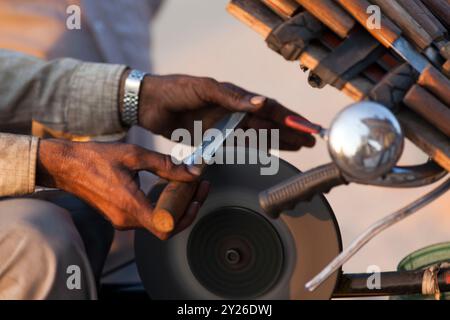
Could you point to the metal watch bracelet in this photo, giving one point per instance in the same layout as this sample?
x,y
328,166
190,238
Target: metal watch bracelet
x,y
130,112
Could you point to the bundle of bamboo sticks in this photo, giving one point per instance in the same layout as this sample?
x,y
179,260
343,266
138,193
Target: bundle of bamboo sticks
x,y
345,43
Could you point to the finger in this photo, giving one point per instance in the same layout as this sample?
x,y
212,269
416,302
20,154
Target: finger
x,y
202,192
160,164
193,209
235,98
257,123
188,218
276,112
285,146
296,139
232,97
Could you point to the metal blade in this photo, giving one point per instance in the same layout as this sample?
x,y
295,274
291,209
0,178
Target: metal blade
x,y
212,143
407,52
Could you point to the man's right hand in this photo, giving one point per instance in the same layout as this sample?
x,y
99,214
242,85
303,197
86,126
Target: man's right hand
x,y
103,175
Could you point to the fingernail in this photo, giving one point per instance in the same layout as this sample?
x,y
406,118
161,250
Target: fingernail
x,y
258,101
194,170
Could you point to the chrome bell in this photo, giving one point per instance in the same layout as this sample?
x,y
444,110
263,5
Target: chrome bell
x,y
365,140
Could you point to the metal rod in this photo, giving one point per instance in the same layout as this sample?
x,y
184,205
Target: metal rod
x,y
373,231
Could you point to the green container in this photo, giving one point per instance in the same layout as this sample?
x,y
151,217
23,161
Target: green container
x,y
422,259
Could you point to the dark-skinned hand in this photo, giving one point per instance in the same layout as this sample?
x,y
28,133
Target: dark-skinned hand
x,y
104,175
171,102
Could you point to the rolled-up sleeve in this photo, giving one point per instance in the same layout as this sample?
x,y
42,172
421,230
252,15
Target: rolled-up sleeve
x,y
65,95
93,112
17,164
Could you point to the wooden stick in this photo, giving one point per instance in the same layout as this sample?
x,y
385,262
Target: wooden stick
x,y
430,22
331,15
440,8
410,27
429,108
256,15
425,18
284,8
387,34
444,48
426,137
171,204
436,83
446,69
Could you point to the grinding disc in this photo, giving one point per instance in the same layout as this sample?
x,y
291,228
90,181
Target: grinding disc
x,y
233,251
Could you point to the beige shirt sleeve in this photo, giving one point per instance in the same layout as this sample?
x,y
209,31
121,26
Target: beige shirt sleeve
x,y
65,95
17,164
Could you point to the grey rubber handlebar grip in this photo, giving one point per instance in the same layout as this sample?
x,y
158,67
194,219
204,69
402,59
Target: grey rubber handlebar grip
x,y
303,187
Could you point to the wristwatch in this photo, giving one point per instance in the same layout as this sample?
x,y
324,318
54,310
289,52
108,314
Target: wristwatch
x,y
130,112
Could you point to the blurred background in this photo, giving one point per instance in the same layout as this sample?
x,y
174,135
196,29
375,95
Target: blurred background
x,y
199,37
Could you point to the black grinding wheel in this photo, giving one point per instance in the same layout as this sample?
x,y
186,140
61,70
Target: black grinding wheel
x,y
233,251
246,254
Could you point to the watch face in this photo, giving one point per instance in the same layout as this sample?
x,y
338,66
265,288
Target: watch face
x,y
234,251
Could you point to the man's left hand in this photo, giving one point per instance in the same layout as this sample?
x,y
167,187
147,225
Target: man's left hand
x,y
176,101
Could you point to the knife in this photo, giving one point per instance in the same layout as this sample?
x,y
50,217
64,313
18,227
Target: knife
x,y
176,195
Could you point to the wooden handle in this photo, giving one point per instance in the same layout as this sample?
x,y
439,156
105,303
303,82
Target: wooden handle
x,y
429,107
436,83
284,8
172,203
425,18
256,15
410,27
387,34
330,14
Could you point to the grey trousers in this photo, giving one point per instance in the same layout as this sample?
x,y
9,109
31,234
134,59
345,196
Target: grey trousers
x,y
51,251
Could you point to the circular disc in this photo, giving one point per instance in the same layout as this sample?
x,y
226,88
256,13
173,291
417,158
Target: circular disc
x,y
233,251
